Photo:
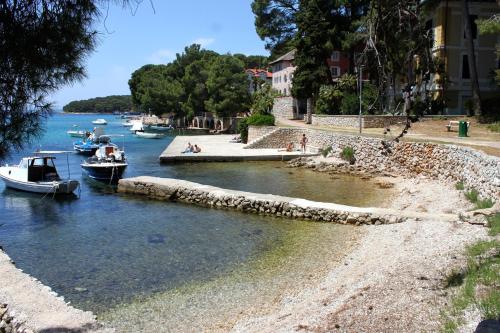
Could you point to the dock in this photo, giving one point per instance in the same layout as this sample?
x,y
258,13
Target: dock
x,y
219,148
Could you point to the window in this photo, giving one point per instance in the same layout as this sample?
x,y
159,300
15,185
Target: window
x,y
465,67
284,77
473,26
335,71
335,56
284,91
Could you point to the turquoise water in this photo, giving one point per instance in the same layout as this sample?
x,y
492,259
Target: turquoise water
x,y
103,249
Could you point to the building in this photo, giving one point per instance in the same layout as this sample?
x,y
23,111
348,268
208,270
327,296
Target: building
x,y
256,77
283,69
449,44
286,106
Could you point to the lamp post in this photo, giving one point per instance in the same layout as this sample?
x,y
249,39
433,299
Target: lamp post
x,y
360,78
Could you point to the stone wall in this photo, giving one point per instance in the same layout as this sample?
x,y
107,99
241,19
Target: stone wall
x,y
353,121
438,161
283,108
265,204
256,132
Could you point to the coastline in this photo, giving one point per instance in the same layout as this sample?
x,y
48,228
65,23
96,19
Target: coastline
x,y
392,280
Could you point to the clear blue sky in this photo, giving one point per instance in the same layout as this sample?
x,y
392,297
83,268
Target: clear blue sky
x,y
129,41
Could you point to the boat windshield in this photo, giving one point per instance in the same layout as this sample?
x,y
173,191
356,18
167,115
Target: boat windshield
x,y
23,164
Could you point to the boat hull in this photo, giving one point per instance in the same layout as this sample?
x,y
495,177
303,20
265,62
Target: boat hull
x,y
147,135
109,171
56,187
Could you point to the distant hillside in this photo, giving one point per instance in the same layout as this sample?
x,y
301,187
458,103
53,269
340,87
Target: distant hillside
x,y
109,104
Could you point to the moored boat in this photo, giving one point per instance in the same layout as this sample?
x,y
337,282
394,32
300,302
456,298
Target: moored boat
x,y
100,121
108,163
149,135
159,128
37,174
89,145
76,133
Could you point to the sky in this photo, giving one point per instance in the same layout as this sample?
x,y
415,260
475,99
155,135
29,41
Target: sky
x,y
128,40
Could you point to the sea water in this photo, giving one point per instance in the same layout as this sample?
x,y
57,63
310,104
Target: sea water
x,y
101,249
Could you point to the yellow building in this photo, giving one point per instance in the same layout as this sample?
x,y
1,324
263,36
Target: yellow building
x,y
449,45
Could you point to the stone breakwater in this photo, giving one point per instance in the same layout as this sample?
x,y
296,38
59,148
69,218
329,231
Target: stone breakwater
x,y
265,204
449,163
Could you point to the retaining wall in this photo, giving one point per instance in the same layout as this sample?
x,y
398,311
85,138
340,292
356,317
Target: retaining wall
x,y
437,161
283,108
265,204
256,132
353,121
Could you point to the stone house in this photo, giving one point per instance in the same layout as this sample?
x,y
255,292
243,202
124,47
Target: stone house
x,y
257,76
449,44
283,68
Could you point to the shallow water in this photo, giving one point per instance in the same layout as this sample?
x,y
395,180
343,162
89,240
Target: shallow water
x,y
105,249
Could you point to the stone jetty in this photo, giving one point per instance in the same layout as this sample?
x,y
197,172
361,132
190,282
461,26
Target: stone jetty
x,y
169,189
219,148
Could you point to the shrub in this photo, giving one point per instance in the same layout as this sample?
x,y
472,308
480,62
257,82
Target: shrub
x,y
347,154
489,110
326,150
459,186
495,127
473,196
255,120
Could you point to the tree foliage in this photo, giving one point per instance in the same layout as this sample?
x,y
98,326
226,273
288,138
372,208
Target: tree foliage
x,y
196,81
263,99
487,26
227,87
43,46
120,103
275,23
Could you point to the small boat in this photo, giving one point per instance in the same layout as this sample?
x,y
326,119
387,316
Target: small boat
x,y
100,121
37,174
159,128
137,126
127,124
76,133
149,135
108,163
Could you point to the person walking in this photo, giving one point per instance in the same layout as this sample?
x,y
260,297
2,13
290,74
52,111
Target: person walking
x,y
303,142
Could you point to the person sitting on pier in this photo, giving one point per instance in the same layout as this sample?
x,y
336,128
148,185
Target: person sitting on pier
x,y
289,147
196,149
189,149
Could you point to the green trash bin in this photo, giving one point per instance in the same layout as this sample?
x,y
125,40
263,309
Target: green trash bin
x,y
462,128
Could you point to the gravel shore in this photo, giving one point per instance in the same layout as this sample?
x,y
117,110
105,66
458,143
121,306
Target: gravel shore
x,y
393,280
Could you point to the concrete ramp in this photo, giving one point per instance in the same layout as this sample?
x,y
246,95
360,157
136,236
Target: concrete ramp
x,y
219,148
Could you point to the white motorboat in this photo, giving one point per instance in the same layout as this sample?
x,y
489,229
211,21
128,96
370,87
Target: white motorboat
x,y
137,125
149,135
100,121
37,174
76,133
159,128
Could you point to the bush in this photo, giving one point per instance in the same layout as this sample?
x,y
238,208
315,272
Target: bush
x,y
489,112
347,154
495,127
255,120
460,186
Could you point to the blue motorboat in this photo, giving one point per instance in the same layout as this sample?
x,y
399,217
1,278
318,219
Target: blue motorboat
x,y
89,145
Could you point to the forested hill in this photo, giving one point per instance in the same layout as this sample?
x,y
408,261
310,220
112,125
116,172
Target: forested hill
x,y
109,104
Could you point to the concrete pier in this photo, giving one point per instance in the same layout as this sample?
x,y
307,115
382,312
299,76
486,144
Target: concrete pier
x,y
219,148
266,204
